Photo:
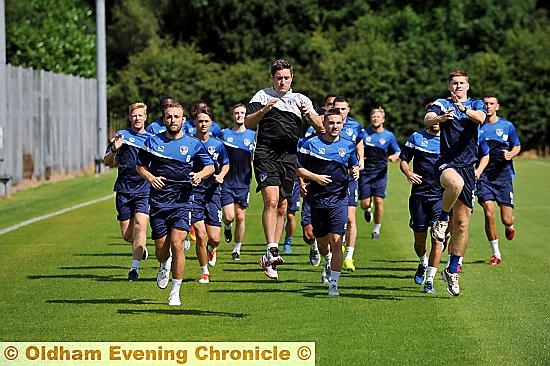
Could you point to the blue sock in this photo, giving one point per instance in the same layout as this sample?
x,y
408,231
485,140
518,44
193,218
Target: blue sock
x,y
453,263
288,241
444,216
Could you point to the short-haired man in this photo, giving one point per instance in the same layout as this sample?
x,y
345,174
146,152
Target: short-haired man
x,y
459,118
425,199
207,209
380,146
327,161
235,199
351,131
495,183
190,126
132,191
168,165
278,113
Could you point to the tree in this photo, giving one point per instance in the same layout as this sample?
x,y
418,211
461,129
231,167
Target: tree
x,y
58,36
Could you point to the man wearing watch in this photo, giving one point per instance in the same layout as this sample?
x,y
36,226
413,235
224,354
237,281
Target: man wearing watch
x,y
459,118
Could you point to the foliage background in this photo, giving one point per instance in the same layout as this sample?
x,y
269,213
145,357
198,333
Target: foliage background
x,y
394,54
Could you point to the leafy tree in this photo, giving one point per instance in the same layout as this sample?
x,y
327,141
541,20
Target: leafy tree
x,y
52,35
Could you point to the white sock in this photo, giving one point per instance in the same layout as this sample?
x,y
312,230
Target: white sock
x,y
135,263
204,270
459,260
237,247
430,273
509,226
315,245
424,260
376,228
176,284
349,252
494,246
334,276
272,245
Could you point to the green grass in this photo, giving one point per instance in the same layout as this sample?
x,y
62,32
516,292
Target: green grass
x,y
64,279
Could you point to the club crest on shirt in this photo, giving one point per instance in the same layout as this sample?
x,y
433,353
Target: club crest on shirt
x,y
211,150
184,150
349,131
382,140
368,139
263,176
230,139
342,152
322,150
499,132
246,142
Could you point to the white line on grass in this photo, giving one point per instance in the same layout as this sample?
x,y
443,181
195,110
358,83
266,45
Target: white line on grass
x,y
56,213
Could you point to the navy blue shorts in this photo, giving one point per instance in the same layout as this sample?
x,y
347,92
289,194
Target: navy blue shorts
x,y
423,213
164,219
294,200
329,220
502,192
240,196
306,214
128,204
467,195
208,209
277,173
372,185
353,193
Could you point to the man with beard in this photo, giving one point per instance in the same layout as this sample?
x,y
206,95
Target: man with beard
x,y
172,164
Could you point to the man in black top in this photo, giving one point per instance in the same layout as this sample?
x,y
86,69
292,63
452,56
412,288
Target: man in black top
x,y
277,113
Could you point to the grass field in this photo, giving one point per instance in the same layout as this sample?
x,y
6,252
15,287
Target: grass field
x,y
64,279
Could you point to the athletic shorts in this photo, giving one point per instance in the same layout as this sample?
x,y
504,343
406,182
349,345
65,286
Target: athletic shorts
x,y
208,209
373,185
277,173
502,192
423,213
128,204
294,200
164,219
306,214
353,193
240,196
467,195
329,220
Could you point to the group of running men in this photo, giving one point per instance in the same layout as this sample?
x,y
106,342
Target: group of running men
x,y
192,174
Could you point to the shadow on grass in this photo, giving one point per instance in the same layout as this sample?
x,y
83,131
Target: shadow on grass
x,y
104,301
183,312
102,254
94,267
106,278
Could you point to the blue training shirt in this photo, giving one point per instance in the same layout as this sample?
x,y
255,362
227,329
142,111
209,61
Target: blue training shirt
x,y
240,147
156,127
328,158
219,156
378,146
458,136
500,136
128,180
423,147
174,160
